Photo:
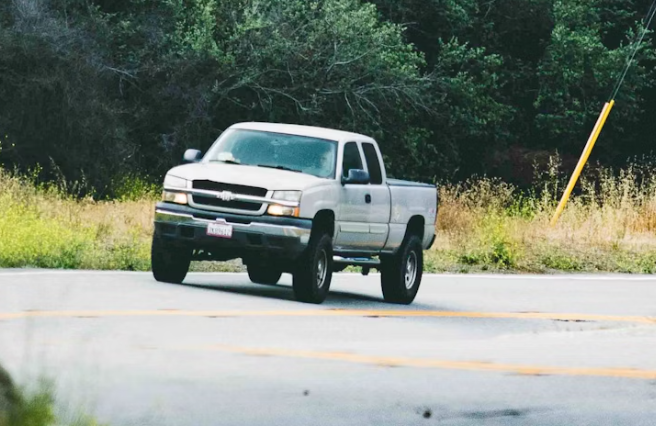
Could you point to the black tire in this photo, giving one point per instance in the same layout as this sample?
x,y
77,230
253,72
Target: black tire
x,y
400,274
263,274
314,271
169,263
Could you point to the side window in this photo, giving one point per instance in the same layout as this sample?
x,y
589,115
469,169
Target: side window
x,y
373,163
352,159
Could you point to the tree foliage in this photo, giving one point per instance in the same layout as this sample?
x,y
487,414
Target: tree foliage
x,y
97,89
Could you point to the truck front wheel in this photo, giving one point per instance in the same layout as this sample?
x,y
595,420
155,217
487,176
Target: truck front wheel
x,y
169,263
401,273
314,271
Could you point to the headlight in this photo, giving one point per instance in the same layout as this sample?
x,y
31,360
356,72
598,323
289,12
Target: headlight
x,y
174,197
278,210
287,195
174,182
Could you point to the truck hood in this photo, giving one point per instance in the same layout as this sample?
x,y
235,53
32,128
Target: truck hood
x,y
271,179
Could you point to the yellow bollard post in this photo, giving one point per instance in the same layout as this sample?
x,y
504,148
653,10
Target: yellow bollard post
x,y
584,158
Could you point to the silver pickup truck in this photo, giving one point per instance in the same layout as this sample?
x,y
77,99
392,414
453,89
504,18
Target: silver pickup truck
x,y
302,200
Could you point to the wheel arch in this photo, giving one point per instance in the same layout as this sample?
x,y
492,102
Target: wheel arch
x,y
324,222
415,227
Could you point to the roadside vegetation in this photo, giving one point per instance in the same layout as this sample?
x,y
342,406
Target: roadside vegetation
x,y
94,90
483,225
488,225
41,225
36,407
103,93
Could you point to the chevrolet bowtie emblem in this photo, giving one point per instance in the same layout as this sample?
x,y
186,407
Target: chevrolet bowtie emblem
x,y
225,196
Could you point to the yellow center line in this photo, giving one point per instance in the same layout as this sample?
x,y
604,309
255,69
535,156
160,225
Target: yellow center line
x,y
531,370
330,313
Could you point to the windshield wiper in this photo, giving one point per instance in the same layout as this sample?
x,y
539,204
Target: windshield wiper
x,y
225,161
280,168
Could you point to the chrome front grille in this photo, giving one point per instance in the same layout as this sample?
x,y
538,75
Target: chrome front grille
x,y
233,205
221,196
209,185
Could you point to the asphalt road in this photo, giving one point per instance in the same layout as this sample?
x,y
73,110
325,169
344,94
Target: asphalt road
x,y
218,350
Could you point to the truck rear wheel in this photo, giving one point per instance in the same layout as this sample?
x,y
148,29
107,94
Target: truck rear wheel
x,y
169,263
314,271
401,273
263,274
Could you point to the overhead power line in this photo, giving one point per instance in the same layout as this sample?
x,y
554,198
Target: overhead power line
x,y
646,24
604,115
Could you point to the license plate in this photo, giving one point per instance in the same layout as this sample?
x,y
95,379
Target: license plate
x,y
219,230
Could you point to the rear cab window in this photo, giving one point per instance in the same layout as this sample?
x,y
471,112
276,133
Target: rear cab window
x,y
352,159
373,163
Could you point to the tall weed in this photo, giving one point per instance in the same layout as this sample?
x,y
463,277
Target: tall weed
x,y
608,224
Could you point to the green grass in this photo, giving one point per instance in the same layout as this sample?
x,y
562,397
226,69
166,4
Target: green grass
x,y
38,408
43,227
32,236
483,225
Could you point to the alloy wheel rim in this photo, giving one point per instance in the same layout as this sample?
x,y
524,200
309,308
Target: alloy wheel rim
x,y
410,270
322,269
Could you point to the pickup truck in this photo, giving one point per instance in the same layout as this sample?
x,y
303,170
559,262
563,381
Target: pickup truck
x,y
294,199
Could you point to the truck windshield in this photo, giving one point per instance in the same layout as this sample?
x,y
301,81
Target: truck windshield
x,y
302,154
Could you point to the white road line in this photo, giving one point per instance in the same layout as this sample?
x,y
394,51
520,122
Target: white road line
x,y
88,272
68,272
559,277
563,277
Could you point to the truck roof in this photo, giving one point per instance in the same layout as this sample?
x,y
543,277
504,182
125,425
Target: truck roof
x,y
310,131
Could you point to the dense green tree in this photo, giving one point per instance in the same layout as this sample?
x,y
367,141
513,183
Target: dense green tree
x,y
97,89
59,105
330,63
570,97
428,22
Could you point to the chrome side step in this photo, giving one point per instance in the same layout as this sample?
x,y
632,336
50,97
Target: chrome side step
x,y
356,261
365,262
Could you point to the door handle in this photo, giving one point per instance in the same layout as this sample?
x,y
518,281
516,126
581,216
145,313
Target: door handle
x,y
367,199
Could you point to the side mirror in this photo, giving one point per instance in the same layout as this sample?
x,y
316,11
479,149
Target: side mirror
x,y
192,156
357,177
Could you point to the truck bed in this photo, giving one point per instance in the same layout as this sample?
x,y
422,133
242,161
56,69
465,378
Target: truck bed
x,y
398,182
411,199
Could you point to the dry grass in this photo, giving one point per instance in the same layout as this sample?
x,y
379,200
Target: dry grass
x,y
41,226
609,226
483,225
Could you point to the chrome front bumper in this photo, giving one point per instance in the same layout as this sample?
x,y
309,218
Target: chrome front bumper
x,y
254,227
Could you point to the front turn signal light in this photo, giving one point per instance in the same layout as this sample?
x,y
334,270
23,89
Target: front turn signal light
x,y
278,210
174,197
